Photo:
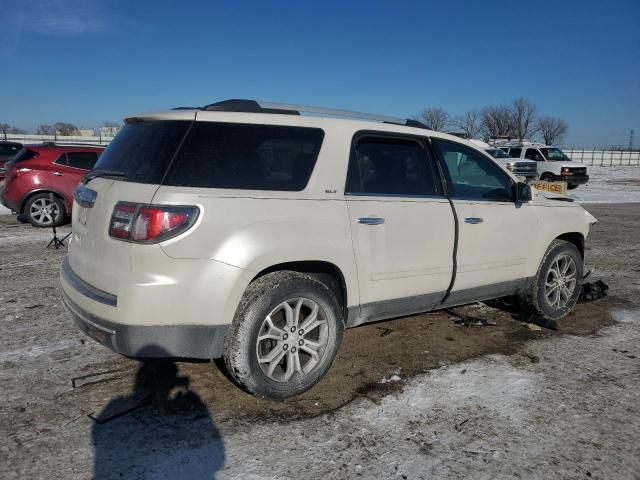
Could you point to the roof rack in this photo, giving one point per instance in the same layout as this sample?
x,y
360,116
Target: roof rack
x,y
253,106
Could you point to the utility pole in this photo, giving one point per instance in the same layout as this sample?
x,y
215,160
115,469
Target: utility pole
x,y
631,140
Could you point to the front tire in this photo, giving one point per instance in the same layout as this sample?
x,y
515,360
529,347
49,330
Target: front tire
x,y
41,211
555,289
285,335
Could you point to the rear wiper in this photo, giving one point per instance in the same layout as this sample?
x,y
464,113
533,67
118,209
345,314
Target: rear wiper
x,y
101,173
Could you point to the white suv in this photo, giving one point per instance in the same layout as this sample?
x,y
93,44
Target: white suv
x,y
247,231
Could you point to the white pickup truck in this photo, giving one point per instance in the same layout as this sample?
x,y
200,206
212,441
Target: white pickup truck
x,y
528,169
553,164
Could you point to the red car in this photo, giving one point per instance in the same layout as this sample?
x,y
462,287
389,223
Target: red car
x,y
36,172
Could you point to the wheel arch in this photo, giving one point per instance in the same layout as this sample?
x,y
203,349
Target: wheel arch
x,y
576,238
57,193
327,272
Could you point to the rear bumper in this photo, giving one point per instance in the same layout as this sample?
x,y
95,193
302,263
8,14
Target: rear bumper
x,y
12,205
145,341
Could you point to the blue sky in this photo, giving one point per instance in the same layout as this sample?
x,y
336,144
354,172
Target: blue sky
x,y
89,61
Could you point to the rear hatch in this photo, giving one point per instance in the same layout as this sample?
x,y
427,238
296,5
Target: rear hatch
x,y
141,153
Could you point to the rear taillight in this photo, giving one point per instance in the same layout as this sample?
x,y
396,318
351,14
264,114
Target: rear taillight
x,y
150,223
13,172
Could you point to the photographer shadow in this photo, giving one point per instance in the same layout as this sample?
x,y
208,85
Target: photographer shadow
x,y
161,430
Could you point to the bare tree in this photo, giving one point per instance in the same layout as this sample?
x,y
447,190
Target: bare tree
x,y
45,129
5,128
435,118
552,129
496,121
65,128
17,131
470,123
523,116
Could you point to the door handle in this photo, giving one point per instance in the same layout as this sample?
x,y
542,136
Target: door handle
x,y
57,174
473,220
371,220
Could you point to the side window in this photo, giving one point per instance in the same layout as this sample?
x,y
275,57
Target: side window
x,y
515,152
83,160
62,159
243,156
533,154
473,176
390,166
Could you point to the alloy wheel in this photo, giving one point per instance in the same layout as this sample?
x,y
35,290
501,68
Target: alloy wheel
x,y
292,339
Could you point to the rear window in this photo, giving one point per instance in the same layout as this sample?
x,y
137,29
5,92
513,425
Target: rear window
x,y
143,150
243,156
24,154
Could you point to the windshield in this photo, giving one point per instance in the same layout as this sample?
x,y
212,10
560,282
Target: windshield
x,y
554,155
497,153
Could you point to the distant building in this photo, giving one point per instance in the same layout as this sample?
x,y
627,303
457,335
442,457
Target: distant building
x,y
86,132
108,131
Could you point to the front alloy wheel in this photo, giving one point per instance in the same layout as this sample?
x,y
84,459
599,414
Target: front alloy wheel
x,y
561,281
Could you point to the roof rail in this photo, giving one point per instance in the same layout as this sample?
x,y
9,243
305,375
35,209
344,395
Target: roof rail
x,y
253,106
49,143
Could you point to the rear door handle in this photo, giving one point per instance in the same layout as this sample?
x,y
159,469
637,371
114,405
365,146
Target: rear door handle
x,y
57,174
473,220
371,220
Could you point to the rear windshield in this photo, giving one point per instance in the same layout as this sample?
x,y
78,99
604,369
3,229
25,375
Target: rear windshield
x,y
24,154
143,150
215,155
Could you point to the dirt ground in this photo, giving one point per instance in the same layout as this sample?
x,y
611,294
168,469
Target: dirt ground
x,y
41,351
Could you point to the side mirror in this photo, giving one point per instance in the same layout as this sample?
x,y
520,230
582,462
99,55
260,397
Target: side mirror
x,y
522,192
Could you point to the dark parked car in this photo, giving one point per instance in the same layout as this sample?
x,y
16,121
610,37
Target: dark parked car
x,y
37,171
7,150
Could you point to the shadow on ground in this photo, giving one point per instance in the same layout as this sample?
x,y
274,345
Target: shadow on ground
x,y
162,429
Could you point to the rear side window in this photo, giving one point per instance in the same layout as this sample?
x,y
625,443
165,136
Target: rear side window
x,y
83,160
243,156
390,166
143,150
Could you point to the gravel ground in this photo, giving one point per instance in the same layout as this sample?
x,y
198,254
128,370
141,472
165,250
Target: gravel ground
x,y
436,400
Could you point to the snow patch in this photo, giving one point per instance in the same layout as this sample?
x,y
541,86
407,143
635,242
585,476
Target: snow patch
x,y
625,316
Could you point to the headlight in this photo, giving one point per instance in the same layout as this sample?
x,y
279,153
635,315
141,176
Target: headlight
x,y
510,166
566,171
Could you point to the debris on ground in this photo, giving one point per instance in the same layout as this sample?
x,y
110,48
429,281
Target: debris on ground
x,y
93,378
469,321
534,327
385,331
593,291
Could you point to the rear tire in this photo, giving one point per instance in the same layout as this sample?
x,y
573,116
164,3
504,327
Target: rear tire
x,y
41,212
285,335
555,289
